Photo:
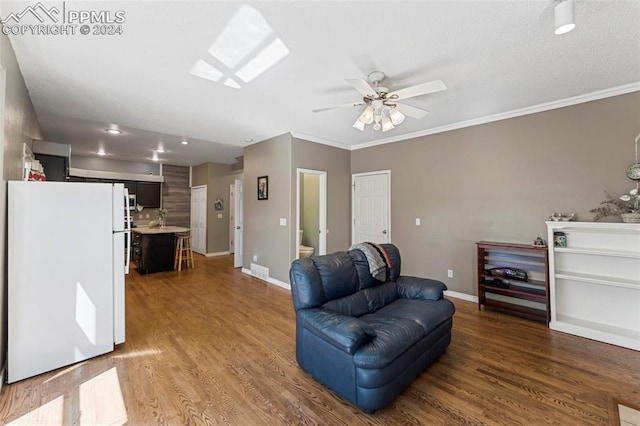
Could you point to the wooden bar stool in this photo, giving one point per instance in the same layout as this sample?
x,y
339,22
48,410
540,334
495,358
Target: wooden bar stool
x,y
183,252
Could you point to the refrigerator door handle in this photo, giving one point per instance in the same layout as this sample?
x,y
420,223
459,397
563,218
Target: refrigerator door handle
x,y
127,213
127,259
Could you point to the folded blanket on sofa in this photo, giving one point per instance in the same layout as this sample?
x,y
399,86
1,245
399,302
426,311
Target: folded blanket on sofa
x,y
377,261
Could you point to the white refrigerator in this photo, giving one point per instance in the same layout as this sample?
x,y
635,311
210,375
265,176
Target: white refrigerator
x,y
67,259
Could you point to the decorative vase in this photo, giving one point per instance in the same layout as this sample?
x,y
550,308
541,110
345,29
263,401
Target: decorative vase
x,y
630,217
161,220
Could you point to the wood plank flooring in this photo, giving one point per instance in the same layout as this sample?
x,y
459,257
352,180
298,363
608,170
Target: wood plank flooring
x,y
212,345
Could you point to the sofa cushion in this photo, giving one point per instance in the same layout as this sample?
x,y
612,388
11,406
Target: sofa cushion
x,y
365,301
428,314
361,263
393,336
337,273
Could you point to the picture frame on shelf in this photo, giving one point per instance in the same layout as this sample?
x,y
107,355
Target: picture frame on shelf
x,y
263,187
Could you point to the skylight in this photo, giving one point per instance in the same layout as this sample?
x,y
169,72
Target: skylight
x,y
268,57
239,45
204,70
244,32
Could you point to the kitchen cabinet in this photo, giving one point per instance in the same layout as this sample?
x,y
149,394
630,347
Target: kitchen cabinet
x,y
148,194
56,168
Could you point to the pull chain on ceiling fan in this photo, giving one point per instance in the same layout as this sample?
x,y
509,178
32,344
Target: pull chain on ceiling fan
x,y
383,110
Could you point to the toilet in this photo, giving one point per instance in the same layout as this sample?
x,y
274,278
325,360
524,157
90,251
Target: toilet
x,y
304,251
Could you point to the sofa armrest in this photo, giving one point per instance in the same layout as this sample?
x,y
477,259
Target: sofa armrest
x,y
420,288
343,332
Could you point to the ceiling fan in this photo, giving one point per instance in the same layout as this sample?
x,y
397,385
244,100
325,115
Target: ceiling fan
x,y
383,110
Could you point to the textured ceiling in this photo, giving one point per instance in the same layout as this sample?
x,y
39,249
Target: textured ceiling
x,y
495,57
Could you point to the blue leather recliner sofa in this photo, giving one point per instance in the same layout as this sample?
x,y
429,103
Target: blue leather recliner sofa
x,y
363,338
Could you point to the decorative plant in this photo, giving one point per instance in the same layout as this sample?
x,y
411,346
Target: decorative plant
x,y
627,203
161,213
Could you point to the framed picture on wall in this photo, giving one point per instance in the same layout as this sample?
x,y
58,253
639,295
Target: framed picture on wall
x,y
263,188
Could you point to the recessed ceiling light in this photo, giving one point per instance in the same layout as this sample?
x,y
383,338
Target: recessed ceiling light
x,y
101,152
185,142
155,157
113,131
160,150
248,140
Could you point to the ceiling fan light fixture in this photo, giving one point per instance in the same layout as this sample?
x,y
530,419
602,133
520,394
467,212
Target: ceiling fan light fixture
x,y
396,116
386,124
359,124
564,17
367,116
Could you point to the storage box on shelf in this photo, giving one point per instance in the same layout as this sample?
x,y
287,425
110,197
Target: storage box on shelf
x,y
595,281
527,297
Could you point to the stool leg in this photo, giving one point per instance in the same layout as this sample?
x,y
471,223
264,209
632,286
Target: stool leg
x,y
180,255
175,253
190,255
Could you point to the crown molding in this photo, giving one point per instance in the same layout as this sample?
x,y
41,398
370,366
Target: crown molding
x,y
593,96
320,140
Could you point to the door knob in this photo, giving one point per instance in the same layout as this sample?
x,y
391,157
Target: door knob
x,y
237,227
384,231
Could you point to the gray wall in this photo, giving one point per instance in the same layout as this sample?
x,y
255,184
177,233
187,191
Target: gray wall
x,y
501,181
20,125
336,162
263,235
218,177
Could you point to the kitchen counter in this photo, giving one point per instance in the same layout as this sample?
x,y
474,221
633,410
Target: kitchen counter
x,y
145,230
154,248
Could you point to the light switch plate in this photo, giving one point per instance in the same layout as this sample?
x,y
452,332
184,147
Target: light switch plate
x,y
417,221
219,215
283,221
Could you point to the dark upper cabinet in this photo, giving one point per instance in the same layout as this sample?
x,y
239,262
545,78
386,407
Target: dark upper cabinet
x,y
56,168
148,194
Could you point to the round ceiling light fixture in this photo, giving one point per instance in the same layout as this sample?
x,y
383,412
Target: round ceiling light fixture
x,y
113,131
185,142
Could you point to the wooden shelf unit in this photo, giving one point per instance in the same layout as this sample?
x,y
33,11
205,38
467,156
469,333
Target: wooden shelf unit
x,y
534,260
595,281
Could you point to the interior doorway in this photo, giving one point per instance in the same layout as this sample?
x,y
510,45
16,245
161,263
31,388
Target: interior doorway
x,y
311,213
371,208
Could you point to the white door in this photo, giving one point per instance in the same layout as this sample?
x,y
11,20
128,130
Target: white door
x,y
237,224
371,208
199,219
232,213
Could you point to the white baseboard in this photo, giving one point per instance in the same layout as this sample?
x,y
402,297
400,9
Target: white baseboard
x,y
462,296
220,253
270,280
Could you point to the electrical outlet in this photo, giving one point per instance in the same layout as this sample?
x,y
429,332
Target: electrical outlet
x,y
450,273
255,257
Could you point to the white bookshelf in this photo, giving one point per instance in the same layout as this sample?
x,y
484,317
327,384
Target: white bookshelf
x,y
594,281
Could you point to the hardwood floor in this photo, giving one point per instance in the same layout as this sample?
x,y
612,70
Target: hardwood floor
x,y
212,345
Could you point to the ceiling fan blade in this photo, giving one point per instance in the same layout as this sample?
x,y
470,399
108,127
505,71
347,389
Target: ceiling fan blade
x,y
362,86
412,111
353,104
417,90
